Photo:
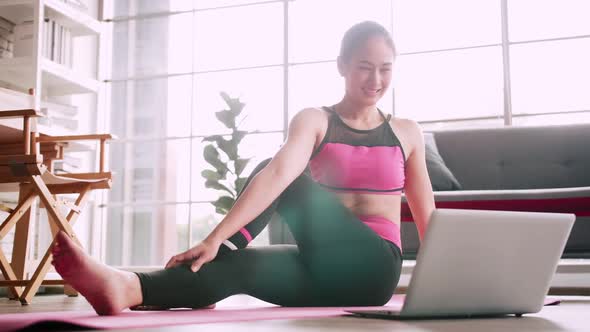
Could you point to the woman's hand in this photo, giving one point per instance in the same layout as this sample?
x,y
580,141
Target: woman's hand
x,y
200,254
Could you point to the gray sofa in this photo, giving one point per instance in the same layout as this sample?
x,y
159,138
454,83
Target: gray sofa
x,y
512,168
544,169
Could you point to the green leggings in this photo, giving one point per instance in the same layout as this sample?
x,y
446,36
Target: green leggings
x,y
338,261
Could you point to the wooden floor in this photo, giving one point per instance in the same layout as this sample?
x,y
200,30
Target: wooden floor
x,y
571,315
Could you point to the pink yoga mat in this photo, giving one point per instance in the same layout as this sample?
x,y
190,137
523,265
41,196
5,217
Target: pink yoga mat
x,y
141,319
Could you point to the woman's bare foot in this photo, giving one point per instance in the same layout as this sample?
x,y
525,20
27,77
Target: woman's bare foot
x,y
108,290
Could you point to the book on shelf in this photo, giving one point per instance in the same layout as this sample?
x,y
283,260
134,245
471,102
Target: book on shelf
x,y
4,54
6,38
61,118
8,35
59,108
68,164
45,50
57,118
55,38
60,167
6,24
67,48
6,44
57,42
58,125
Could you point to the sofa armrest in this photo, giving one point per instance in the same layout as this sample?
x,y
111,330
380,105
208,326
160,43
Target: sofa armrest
x,y
561,200
478,195
574,200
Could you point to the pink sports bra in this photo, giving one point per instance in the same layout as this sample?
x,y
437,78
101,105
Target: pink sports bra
x,y
361,161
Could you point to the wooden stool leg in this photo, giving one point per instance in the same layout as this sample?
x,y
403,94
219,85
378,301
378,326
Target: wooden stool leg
x,y
7,271
68,290
64,224
20,246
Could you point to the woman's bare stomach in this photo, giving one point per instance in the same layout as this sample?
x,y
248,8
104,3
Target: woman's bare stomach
x,y
387,206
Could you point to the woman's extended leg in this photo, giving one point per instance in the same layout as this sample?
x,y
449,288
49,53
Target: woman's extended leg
x,y
274,274
338,261
110,290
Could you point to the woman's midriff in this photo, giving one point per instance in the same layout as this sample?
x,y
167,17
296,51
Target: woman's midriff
x,y
380,212
387,206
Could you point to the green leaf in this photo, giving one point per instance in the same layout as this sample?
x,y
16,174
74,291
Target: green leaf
x,y
211,175
228,118
225,97
240,164
240,183
230,148
211,155
237,136
224,202
218,186
227,146
235,105
220,211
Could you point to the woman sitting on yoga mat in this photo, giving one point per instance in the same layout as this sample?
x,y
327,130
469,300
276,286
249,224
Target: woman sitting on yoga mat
x,y
344,213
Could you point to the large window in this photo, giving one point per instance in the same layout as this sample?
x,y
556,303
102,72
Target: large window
x,y
461,63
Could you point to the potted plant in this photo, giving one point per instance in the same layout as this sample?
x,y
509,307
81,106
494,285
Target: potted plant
x,y
222,155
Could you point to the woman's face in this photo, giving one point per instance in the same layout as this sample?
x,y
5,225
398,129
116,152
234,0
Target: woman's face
x,y
367,72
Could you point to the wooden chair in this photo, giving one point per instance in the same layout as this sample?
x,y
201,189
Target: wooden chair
x,y
30,174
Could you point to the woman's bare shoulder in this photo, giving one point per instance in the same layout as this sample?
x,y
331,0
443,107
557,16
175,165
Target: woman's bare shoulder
x,y
408,131
313,117
312,114
408,125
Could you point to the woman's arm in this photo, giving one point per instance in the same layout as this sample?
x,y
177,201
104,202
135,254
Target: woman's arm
x,y
289,162
418,188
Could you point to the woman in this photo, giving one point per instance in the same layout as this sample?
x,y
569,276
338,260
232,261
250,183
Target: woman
x,y
345,216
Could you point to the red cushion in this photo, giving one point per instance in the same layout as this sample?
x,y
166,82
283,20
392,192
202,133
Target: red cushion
x,y
580,206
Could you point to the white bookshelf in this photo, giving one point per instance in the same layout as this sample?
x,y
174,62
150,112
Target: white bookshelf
x,y
36,71
80,23
77,83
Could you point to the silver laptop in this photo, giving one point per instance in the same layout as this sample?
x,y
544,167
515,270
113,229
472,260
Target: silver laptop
x,y
483,263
